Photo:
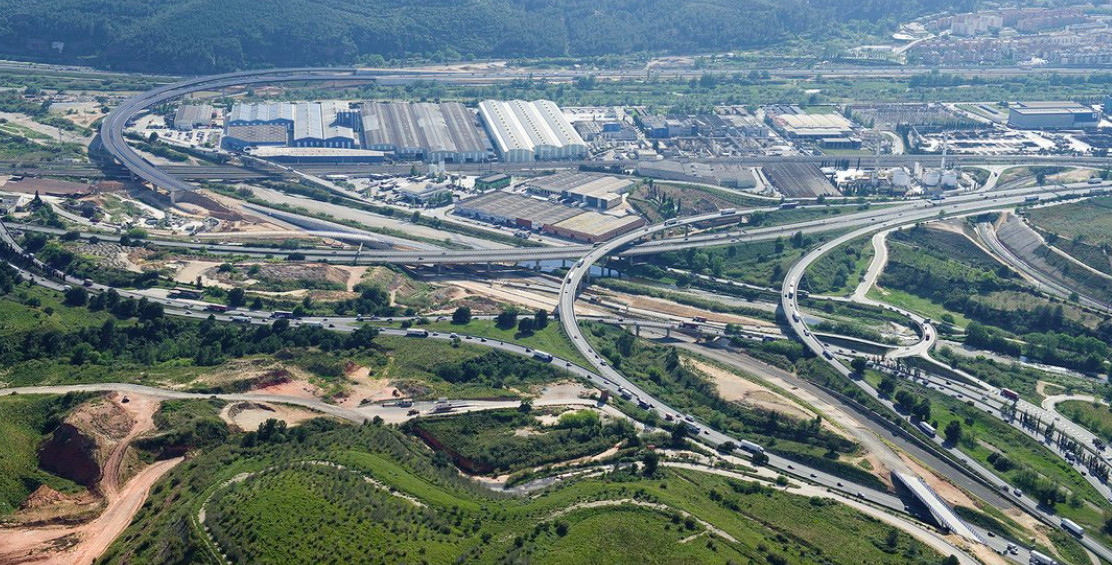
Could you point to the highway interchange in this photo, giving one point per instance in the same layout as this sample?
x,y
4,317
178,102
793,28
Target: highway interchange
x,y
852,225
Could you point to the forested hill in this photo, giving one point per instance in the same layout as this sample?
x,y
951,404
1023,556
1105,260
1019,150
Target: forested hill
x,y
200,36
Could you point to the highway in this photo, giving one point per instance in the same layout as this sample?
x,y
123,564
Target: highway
x,y
605,376
798,324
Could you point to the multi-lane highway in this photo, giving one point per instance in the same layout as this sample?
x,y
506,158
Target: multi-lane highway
x,y
606,376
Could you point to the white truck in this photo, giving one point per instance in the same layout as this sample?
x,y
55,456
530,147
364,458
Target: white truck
x,y
1072,527
751,447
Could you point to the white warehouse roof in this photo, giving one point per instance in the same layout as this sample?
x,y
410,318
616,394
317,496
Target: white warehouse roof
x,y
318,120
519,127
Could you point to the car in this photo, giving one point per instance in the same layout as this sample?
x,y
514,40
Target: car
x,y
814,476
791,467
991,533
413,412
839,483
483,339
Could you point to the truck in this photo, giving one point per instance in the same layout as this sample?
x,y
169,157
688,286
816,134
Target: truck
x,y
927,428
542,356
789,205
689,326
281,315
791,290
795,316
1072,527
671,222
1032,198
728,211
1041,559
313,324
751,447
1095,180
413,332
241,319
216,308
624,393
700,319
1009,394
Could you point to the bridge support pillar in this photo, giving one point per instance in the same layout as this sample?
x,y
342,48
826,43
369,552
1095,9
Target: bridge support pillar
x,y
668,331
637,330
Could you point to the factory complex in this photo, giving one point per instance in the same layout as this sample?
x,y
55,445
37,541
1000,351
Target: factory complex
x,y
515,131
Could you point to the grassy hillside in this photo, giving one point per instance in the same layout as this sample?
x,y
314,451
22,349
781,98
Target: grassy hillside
x,y
370,494
197,36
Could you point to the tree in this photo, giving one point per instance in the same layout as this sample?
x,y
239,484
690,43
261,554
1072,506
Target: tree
x,y
77,296
462,315
507,319
679,434
651,461
236,298
540,319
525,326
859,364
953,432
951,560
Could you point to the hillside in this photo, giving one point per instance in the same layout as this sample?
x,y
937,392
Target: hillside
x,y
198,36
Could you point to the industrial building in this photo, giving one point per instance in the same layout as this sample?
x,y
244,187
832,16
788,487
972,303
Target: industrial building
x,y
323,124
307,124
594,190
192,116
514,210
534,214
434,132
530,131
1052,115
733,176
423,193
317,155
812,126
238,138
493,180
277,113
593,227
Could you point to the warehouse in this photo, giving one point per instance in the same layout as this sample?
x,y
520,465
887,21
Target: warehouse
x,y
514,210
594,190
1052,115
526,131
425,192
593,227
812,126
320,124
237,138
493,180
434,132
279,113
317,155
192,116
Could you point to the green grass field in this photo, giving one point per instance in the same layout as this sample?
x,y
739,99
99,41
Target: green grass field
x,y
1089,220
1097,418
839,271
550,339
